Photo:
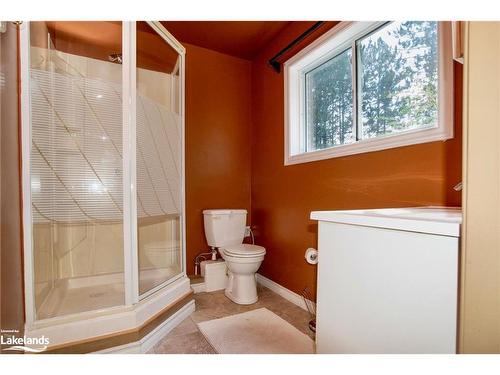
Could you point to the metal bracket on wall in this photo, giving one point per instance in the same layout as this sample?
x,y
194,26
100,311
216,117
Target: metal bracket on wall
x,y
275,64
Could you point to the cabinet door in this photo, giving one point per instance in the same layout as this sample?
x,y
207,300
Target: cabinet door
x,y
385,291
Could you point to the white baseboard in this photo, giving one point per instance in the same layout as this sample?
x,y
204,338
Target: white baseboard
x,y
152,338
130,348
283,292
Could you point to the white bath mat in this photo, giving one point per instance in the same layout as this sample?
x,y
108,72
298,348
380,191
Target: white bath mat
x,y
255,332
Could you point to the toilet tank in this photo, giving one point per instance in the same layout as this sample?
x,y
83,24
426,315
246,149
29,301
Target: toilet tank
x,y
224,227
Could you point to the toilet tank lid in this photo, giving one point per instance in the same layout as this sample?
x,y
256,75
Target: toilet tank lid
x,y
224,212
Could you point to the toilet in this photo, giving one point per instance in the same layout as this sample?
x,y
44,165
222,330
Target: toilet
x,y
225,230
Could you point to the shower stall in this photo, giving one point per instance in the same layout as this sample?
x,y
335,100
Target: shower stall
x,y
103,176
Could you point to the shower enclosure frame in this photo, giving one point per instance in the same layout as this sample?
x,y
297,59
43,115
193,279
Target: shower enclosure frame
x,y
137,308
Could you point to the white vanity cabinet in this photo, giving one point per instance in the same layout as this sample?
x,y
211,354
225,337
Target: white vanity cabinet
x,y
387,280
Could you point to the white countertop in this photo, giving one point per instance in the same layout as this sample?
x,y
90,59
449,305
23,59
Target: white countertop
x,y
433,220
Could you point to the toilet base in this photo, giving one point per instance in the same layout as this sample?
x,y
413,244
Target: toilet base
x,y
242,289
229,295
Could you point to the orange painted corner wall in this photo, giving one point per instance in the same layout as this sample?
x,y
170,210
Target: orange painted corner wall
x,y
218,139
283,196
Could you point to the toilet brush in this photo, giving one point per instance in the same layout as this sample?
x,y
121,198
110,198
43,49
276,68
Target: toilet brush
x,y
310,308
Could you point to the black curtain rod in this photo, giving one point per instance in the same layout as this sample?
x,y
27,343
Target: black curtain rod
x,y
275,64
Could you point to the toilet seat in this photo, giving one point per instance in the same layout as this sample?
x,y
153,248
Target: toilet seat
x,y
244,250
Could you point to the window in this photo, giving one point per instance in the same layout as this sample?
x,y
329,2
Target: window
x,y
368,86
329,103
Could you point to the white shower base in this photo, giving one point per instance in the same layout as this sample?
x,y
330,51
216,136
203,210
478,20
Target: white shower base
x,y
76,295
73,328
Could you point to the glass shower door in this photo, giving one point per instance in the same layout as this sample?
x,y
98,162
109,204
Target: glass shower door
x,y
102,178
76,167
158,159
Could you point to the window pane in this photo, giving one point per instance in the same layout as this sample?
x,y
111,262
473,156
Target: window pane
x,y
329,103
397,71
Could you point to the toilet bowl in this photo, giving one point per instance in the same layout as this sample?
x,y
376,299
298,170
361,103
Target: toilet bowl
x,y
225,230
242,261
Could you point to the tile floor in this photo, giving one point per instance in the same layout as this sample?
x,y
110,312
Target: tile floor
x,y
187,339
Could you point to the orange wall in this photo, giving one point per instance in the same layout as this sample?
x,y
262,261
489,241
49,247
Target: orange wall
x,y
283,197
218,158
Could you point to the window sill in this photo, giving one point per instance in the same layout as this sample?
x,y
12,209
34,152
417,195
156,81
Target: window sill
x,y
408,138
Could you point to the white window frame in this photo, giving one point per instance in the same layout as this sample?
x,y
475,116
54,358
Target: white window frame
x,y
338,39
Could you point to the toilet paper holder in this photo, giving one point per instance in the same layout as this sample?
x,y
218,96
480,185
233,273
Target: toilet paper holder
x,y
311,256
